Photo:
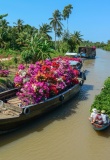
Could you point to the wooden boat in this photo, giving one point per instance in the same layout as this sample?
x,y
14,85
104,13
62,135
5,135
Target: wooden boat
x,y
98,127
12,115
87,52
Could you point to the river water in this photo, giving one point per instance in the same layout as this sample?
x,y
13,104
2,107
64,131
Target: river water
x,y
65,133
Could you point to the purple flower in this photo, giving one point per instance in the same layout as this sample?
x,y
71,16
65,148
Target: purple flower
x,y
21,66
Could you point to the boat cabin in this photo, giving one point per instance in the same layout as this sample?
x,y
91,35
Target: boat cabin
x,y
71,54
75,63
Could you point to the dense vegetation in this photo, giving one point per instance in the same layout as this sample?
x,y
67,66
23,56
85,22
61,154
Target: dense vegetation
x,y
102,101
33,43
23,43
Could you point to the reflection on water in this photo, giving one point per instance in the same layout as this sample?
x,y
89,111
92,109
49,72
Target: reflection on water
x,y
64,133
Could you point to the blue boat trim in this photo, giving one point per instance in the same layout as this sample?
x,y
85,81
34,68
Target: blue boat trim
x,y
98,127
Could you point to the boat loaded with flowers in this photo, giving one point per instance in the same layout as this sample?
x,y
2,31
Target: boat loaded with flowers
x,y
39,88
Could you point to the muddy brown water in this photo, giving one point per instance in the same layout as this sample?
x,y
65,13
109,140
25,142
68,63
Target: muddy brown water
x,y
65,133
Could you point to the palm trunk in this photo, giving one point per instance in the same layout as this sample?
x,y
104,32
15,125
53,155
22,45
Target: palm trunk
x,y
67,25
55,40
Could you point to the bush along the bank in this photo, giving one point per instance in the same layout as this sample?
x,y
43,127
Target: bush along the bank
x,y
102,101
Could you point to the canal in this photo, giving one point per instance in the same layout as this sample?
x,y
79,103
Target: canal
x,y
65,133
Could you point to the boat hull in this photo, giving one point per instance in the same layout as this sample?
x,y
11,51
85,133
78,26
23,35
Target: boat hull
x,y
36,110
98,127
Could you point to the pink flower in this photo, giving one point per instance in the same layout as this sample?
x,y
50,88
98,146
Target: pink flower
x,y
44,79
21,66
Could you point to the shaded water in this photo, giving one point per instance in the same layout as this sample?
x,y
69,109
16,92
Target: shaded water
x,y
64,134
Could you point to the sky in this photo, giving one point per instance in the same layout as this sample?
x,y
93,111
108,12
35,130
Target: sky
x,y
89,17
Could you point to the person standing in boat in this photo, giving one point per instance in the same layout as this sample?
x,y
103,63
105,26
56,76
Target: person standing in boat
x,y
105,117
98,118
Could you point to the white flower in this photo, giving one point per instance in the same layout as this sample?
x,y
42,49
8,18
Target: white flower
x,y
60,79
25,80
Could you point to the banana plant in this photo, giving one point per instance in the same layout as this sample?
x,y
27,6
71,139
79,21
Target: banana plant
x,y
39,47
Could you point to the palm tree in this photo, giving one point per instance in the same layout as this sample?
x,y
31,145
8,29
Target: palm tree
x,y
19,25
108,42
3,15
29,29
20,35
74,41
66,13
45,29
3,33
4,23
13,36
66,36
59,32
77,37
55,22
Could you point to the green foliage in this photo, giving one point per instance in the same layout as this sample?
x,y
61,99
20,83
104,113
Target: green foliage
x,y
8,53
26,56
38,48
2,80
6,64
57,53
15,59
63,47
107,47
6,83
102,101
3,15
